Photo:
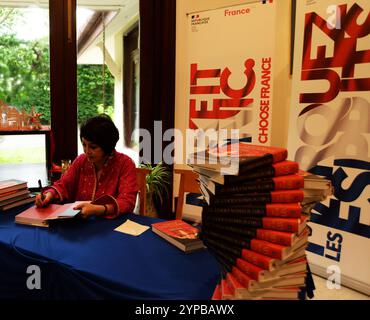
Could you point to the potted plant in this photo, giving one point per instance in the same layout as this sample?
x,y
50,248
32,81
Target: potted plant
x,y
158,183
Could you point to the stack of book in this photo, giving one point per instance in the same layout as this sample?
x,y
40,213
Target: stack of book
x,y
255,219
14,193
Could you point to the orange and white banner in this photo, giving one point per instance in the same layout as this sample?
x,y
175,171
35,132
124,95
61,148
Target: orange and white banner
x,y
230,69
329,132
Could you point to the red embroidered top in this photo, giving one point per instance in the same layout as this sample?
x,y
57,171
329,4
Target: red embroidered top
x,y
117,183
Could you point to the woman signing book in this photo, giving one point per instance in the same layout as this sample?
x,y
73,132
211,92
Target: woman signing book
x,y
103,177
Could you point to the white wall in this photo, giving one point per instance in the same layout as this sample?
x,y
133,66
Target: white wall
x,y
282,79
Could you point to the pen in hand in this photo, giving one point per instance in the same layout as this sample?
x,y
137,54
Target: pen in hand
x,y
42,195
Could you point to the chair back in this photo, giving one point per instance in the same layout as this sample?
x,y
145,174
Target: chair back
x,y
188,183
141,182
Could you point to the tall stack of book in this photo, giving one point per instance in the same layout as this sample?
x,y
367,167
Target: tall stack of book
x,y
14,193
255,220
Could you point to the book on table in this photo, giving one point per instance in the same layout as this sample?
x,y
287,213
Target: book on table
x,y
236,290
237,158
295,225
11,185
254,219
303,196
282,210
42,217
179,233
14,194
278,169
288,182
17,201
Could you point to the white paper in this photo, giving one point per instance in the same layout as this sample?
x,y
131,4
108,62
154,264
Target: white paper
x,y
132,228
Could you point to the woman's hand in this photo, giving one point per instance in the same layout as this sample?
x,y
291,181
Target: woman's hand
x,y
43,200
88,209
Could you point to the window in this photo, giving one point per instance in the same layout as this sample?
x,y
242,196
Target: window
x,y
25,62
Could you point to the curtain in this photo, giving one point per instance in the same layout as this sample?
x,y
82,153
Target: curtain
x,y
157,73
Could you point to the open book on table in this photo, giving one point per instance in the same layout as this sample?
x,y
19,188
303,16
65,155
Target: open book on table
x,y
42,216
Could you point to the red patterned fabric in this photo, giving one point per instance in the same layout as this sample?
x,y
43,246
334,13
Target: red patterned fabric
x,y
117,183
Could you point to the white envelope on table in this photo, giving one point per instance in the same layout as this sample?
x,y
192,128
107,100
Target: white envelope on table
x,y
132,228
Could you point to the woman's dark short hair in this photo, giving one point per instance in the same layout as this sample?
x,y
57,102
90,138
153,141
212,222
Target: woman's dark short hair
x,y
101,131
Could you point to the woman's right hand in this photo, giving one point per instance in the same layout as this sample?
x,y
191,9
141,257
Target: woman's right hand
x,y
42,200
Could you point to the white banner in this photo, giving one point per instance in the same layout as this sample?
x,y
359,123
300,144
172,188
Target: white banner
x,y
230,69
230,75
329,132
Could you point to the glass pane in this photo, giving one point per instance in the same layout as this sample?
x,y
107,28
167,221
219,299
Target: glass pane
x,y
120,17
95,83
24,157
24,65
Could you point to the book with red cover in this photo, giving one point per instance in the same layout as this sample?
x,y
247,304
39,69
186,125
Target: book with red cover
x,y
252,285
179,233
14,193
17,201
241,292
41,217
279,237
261,275
288,182
10,185
282,210
217,295
282,196
277,169
293,225
237,158
232,247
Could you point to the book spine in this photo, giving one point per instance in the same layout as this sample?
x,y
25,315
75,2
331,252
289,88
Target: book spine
x,y
258,211
233,241
281,224
245,232
288,182
278,224
245,199
268,249
243,278
278,237
255,222
286,210
258,162
226,291
264,185
286,196
267,172
249,269
234,285
284,168
282,238
260,260
217,293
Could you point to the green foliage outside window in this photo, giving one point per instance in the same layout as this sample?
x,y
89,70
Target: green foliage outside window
x,y
25,79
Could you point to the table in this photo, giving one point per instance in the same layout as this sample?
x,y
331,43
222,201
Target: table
x,y
88,260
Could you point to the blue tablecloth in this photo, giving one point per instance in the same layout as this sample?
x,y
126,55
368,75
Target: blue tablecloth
x,y
82,259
